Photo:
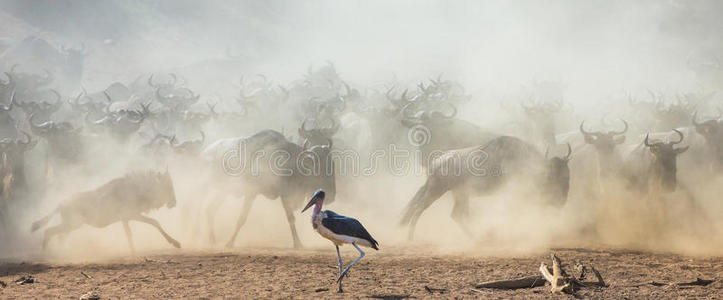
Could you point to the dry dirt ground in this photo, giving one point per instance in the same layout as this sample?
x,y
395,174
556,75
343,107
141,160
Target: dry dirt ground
x,y
387,274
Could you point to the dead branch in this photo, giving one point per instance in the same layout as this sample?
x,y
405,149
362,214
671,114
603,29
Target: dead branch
x,y
89,296
86,275
25,280
519,283
561,282
432,290
697,282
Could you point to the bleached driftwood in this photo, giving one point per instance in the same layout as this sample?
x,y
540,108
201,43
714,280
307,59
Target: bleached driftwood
x,y
561,282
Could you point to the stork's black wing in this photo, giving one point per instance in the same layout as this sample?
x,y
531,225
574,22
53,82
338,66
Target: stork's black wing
x,y
347,226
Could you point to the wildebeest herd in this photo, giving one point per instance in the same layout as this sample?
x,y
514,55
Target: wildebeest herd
x,y
324,133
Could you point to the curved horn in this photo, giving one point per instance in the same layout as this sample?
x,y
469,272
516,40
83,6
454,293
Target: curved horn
x,y
404,110
10,79
347,88
645,141
582,129
107,96
10,105
58,101
569,152
203,137
624,130
40,126
150,82
173,76
305,132
694,119
680,134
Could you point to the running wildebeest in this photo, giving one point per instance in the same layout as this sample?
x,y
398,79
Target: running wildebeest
x,y
480,170
120,200
271,165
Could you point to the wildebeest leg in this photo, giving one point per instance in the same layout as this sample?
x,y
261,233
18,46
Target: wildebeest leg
x,y
129,236
460,211
154,223
421,201
63,228
285,201
248,201
211,216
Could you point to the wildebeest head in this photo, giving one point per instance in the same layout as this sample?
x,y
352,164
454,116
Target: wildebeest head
x,y
557,177
710,129
42,102
51,128
318,162
664,166
318,135
17,146
712,132
176,97
427,117
28,82
603,142
163,192
188,147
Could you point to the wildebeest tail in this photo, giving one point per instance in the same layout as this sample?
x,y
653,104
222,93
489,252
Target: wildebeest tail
x,y
413,206
42,222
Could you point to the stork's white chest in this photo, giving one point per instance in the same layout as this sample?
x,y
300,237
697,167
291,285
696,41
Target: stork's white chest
x,y
323,231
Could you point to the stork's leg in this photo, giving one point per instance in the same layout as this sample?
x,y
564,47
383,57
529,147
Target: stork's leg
x,y
285,201
211,216
361,254
338,255
154,223
460,211
248,201
129,236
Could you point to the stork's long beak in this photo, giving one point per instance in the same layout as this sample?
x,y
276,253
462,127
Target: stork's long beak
x,y
317,196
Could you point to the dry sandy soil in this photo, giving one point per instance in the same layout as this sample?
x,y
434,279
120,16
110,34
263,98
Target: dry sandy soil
x,y
388,274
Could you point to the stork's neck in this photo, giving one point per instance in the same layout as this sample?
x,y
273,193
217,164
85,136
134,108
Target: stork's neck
x,y
316,211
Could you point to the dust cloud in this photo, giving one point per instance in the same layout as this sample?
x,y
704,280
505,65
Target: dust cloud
x,y
598,57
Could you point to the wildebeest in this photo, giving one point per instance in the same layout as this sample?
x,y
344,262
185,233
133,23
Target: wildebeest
x,y
122,200
12,165
604,144
480,170
269,164
712,132
652,166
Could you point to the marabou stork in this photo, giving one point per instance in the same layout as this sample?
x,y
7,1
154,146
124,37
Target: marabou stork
x,y
339,230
